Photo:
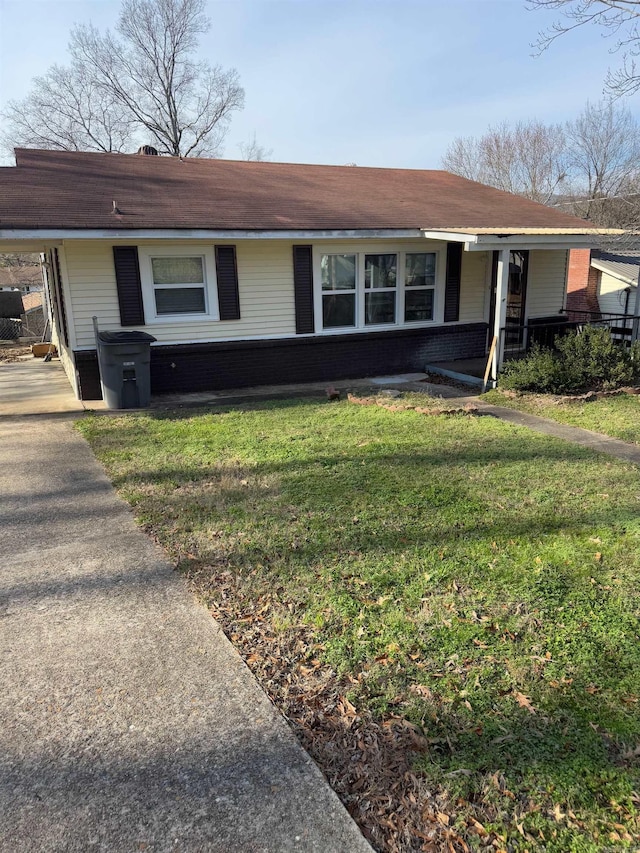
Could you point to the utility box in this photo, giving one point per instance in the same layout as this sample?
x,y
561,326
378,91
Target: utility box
x,y
124,359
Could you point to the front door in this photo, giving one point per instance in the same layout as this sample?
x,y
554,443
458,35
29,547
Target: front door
x,y
515,332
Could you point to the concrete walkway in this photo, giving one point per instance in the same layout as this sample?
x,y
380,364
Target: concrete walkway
x,y
127,720
585,437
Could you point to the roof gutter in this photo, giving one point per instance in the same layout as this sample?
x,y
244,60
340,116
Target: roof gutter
x,y
525,239
204,234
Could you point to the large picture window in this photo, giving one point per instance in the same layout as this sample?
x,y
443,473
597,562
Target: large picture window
x,y
376,289
178,283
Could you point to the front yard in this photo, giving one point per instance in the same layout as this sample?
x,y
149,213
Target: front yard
x,y
445,608
617,416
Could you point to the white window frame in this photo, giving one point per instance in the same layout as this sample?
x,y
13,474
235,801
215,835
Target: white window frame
x,y
146,253
433,286
366,290
439,250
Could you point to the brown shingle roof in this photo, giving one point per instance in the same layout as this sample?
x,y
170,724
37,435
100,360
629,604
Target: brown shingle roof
x,y
68,190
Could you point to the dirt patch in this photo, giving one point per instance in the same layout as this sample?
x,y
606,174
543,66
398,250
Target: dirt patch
x,y
438,379
11,353
400,406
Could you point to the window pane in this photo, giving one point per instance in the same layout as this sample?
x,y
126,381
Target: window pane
x,y
420,270
338,272
338,310
380,308
180,300
380,271
418,305
177,270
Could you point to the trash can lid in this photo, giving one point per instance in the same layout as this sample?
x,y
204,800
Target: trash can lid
x,y
125,338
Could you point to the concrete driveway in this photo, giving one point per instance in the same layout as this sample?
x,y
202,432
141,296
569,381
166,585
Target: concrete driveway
x,y
33,387
127,720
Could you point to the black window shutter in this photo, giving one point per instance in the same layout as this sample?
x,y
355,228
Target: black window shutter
x,y
227,275
303,289
452,282
127,267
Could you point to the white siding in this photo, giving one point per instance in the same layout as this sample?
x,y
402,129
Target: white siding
x,y
265,273
546,286
611,295
473,286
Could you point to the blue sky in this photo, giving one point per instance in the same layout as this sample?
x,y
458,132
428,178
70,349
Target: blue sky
x,y
367,81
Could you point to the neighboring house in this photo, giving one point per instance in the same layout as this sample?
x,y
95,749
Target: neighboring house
x,y
603,282
25,278
256,272
33,318
616,275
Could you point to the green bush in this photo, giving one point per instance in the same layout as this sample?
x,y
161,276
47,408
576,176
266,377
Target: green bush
x,y
590,360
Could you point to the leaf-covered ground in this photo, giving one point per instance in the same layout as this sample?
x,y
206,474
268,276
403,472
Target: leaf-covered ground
x,y
445,608
617,416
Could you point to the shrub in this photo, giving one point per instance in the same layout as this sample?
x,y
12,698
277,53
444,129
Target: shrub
x,y
590,360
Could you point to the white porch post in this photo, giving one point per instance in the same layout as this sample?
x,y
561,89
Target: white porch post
x,y
502,286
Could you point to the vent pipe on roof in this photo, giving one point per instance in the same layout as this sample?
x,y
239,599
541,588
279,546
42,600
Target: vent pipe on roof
x,y
147,149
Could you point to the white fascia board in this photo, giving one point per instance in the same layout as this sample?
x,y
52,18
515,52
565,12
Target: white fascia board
x,y
532,241
204,234
450,236
486,242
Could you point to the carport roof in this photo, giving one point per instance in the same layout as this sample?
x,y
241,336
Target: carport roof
x,y
49,190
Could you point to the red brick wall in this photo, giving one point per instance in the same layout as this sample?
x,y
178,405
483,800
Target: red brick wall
x,y
582,282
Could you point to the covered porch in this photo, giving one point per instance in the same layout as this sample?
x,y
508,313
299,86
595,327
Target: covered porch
x,y
518,338
525,302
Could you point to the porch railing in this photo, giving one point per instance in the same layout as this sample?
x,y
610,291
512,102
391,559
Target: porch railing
x,y
518,338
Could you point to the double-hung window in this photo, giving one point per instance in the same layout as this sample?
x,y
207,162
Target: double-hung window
x,y
360,290
419,286
178,283
339,280
380,276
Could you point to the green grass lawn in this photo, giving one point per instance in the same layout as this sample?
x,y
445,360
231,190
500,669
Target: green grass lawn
x,y
468,580
617,416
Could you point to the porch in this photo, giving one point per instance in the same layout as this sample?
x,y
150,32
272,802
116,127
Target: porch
x,y
516,339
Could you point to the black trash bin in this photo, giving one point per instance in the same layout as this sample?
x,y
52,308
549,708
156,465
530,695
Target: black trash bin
x,y
124,358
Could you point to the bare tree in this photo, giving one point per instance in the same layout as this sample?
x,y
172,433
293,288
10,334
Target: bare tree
x,y
528,159
604,162
66,109
147,68
19,259
590,167
139,85
252,150
617,19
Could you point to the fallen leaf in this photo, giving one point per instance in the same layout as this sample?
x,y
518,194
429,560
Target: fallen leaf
x,y
558,815
443,818
524,702
421,690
